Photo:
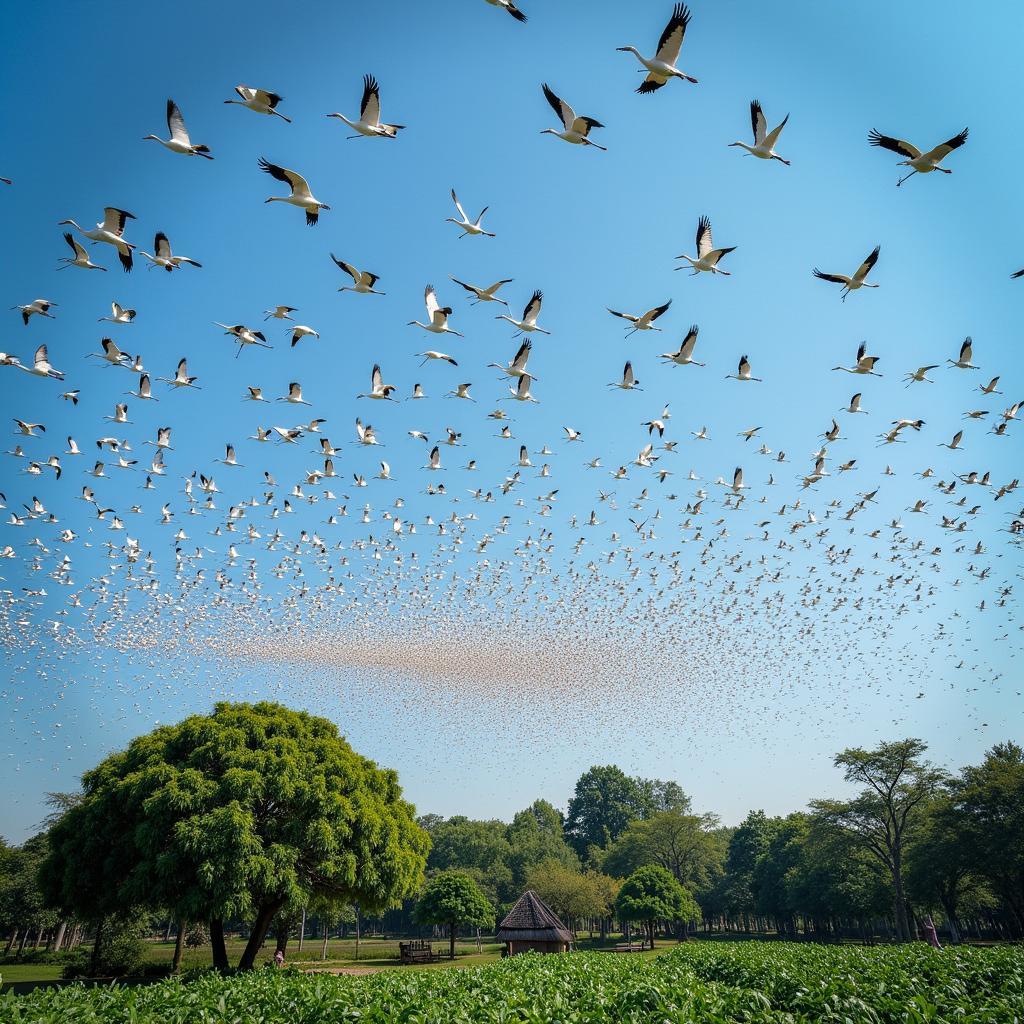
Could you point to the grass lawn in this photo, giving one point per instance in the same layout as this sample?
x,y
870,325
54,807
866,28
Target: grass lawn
x,y
374,953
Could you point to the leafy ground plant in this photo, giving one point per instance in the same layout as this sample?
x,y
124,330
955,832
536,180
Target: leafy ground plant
x,y
697,982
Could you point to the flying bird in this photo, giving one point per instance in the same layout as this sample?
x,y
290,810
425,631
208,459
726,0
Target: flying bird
x,y
110,230
764,141
300,194
644,322
80,257
574,129
859,279
163,257
469,227
179,142
260,101
362,280
707,257
661,68
437,314
922,163
528,324
369,124
509,6
484,294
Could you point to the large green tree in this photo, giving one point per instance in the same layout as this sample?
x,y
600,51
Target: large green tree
x,y
748,843
453,899
235,814
650,895
988,801
687,845
606,800
896,786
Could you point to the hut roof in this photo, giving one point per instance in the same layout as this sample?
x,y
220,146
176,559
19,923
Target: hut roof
x,y
532,918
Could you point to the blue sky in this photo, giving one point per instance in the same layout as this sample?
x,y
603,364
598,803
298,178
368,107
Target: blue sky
x,y
592,230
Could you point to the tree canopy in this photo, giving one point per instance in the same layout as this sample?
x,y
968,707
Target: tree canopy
x,y
651,894
453,899
235,814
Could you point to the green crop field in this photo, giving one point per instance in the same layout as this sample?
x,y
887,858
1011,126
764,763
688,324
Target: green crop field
x,y
698,982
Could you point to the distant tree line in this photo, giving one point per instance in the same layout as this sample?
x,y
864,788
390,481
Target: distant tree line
x,y
263,820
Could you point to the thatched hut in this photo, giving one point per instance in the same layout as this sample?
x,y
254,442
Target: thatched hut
x,y
532,924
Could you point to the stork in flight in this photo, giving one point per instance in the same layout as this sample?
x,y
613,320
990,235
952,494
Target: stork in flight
x,y
378,389
163,257
37,307
629,381
111,231
260,101
517,368
484,294
851,284
179,142
80,258
362,280
574,129
528,324
118,315
41,365
509,6
922,163
661,68
865,363
764,141
437,313
369,124
300,194
244,336
469,227
707,257
644,322
684,357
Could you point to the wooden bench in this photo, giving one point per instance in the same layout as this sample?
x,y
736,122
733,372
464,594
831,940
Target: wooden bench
x,y
631,947
417,952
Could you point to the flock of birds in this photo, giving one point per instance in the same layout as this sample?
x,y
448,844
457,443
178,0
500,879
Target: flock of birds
x,y
357,567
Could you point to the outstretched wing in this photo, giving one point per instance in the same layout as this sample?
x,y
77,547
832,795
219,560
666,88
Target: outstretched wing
x,y
176,124
901,146
430,298
562,110
369,109
704,243
114,219
458,206
672,38
297,182
947,147
864,269
347,267
773,136
757,122
834,278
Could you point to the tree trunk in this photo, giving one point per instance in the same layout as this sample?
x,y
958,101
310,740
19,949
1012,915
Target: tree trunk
x,y
302,929
179,946
97,946
260,926
58,936
220,952
451,940
902,924
327,935
11,941
282,940
650,928
167,930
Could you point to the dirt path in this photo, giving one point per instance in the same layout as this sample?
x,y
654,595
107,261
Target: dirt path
x,y
343,970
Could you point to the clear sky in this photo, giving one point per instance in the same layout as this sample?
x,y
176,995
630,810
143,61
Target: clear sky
x,y
513,669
